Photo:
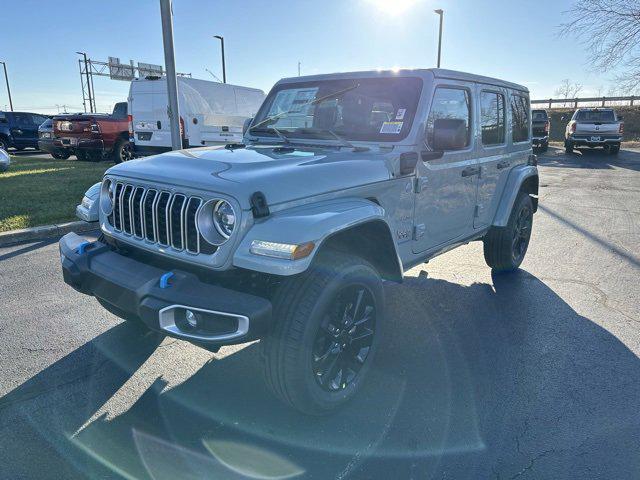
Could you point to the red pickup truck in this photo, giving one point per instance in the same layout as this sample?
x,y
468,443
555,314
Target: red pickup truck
x,y
95,136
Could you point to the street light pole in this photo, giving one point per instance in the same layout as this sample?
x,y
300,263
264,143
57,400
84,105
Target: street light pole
x,y
6,79
440,12
224,70
299,63
166,15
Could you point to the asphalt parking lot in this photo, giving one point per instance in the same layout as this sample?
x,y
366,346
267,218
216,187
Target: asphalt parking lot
x,y
531,375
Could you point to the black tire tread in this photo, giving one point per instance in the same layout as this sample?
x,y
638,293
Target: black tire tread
x,y
292,305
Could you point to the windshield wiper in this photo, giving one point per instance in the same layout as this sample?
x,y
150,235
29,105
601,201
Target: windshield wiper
x,y
310,102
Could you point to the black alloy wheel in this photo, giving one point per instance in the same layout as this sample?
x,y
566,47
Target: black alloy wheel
x,y
522,233
344,339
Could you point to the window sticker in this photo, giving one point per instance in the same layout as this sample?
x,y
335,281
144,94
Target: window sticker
x,y
391,127
400,114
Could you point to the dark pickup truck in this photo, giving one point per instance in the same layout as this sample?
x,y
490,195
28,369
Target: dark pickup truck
x,y
540,126
95,136
19,129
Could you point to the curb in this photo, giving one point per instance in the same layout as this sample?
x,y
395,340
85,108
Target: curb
x,y
46,231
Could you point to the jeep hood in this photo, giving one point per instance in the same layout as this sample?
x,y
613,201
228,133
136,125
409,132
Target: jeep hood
x,y
281,174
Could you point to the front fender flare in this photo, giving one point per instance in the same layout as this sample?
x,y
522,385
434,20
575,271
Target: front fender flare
x,y
309,223
517,177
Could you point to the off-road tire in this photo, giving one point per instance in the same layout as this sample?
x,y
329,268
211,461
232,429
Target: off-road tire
x,y
121,151
501,251
60,156
300,305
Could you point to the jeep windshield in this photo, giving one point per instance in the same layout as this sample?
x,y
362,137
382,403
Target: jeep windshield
x,y
361,109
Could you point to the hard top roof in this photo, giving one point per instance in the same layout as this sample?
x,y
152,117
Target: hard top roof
x,y
425,73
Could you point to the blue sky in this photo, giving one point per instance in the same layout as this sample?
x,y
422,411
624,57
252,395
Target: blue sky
x,y
515,40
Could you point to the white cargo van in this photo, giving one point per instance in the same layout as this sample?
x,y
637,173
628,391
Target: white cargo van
x,y
210,113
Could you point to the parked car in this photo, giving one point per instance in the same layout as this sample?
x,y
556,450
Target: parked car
x,y
540,127
45,141
19,130
95,136
594,127
88,208
287,237
210,113
5,160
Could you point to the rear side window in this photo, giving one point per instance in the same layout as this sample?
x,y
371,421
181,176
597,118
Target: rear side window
x,y
539,116
492,118
520,118
450,104
120,110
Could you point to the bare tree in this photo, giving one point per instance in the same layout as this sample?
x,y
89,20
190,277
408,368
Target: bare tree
x,y
610,30
568,90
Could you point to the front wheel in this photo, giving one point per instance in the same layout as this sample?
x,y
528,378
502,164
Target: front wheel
x,y
505,247
568,147
328,322
613,150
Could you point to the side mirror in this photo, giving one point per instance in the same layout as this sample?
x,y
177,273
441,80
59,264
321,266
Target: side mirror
x,y
620,117
449,134
246,125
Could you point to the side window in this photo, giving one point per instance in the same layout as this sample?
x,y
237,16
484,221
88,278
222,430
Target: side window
x,y
520,118
38,119
120,110
449,121
492,118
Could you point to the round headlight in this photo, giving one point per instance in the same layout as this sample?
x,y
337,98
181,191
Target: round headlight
x,y
224,218
106,197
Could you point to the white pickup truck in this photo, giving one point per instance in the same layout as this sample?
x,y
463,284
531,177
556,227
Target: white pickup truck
x,y
594,127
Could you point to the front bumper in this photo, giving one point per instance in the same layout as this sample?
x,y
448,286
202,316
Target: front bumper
x,y
138,291
586,140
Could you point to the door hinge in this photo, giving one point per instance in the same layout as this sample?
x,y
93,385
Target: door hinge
x,y
418,231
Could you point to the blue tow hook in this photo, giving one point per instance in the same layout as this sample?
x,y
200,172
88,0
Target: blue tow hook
x,y
164,280
82,247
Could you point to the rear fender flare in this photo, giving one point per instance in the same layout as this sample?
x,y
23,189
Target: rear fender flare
x,y
521,178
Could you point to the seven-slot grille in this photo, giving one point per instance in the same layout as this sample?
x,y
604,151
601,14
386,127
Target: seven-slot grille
x,y
158,216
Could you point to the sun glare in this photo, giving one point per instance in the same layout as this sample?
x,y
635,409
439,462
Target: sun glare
x,y
393,7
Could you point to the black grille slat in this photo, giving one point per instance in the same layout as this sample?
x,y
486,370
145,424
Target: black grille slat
x,y
117,217
149,229
164,218
175,212
191,236
126,209
137,212
161,216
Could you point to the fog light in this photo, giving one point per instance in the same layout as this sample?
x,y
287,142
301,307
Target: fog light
x,y
191,318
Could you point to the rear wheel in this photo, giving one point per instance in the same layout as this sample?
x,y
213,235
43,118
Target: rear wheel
x,y
328,324
122,151
568,147
505,247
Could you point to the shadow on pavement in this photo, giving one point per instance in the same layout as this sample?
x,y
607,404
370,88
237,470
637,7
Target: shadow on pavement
x,y
479,381
595,159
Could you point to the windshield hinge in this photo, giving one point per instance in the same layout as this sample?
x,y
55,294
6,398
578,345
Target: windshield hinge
x,y
259,206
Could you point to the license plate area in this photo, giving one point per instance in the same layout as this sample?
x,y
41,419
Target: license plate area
x,y
69,141
144,136
595,139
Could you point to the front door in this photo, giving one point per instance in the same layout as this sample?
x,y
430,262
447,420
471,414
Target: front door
x,y
446,186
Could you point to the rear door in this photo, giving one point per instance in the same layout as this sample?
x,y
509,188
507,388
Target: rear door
x,y
492,151
148,108
25,128
446,187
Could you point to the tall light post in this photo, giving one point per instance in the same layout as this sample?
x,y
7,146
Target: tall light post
x,y
166,16
440,12
6,79
86,72
299,63
224,70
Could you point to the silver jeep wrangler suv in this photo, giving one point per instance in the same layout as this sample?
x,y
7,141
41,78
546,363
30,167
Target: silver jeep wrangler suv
x,y
342,181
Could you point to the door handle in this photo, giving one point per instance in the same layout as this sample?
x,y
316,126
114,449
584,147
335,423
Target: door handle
x,y
503,164
470,171
159,125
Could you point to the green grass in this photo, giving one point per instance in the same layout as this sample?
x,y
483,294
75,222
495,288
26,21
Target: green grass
x,y
43,191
